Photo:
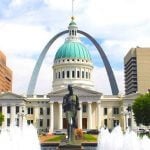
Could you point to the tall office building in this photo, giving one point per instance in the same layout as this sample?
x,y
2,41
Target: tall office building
x,y
137,70
5,75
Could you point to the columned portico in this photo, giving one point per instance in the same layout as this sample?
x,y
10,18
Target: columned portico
x,y
51,117
80,116
60,116
89,115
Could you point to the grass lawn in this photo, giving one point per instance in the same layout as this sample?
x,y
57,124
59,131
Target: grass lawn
x,y
59,138
90,138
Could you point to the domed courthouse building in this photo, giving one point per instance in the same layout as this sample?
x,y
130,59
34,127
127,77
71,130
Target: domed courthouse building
x,y
72,65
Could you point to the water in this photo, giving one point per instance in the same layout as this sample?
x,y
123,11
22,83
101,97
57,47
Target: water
x,y
17,138
25,138
116,140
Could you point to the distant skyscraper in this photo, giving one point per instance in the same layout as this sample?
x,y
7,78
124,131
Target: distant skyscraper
x,y
137,70
5,75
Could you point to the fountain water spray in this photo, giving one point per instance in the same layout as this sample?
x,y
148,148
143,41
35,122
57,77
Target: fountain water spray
x,y
19,138
116,140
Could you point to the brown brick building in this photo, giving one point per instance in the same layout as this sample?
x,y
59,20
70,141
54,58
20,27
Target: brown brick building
x,y
5,75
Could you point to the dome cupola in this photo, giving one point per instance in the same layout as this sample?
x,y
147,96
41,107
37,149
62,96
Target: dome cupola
x,y
72,62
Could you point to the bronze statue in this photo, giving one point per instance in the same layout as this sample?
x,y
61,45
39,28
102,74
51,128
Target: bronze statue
x,y
70,107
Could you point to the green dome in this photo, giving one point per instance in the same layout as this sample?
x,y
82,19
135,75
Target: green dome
x,y
71,49
72,23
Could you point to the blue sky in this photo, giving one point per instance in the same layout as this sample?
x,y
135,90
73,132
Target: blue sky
x,y
27,25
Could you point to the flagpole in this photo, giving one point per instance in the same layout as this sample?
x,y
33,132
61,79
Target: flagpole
x,y
72,9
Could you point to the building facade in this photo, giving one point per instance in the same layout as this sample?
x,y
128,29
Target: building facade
x,y
5,75
72,65
137,70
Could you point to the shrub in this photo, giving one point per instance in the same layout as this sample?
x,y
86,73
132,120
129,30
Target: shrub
x,y
78,133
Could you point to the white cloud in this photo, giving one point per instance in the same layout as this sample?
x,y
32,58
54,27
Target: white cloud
x,y
121,24
22,46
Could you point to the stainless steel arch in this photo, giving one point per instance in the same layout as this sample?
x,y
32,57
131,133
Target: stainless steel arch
x,y
111,77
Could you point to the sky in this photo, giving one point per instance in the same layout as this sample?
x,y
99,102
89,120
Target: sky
x,y
26,26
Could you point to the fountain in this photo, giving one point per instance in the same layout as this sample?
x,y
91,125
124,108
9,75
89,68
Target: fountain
x,y
19,138
116,140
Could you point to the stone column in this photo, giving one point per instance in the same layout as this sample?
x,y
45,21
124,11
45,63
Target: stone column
x,y
12,115
98,115
4,111
60,116
80,116
36,116
51,117
124,121
89,115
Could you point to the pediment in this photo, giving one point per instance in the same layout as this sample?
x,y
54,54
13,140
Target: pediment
x,y
10,95
76,90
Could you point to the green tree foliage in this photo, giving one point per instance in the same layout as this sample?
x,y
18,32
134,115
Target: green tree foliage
x,y
1,118
141,109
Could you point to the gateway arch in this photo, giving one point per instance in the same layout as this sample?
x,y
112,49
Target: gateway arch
x,y
111,77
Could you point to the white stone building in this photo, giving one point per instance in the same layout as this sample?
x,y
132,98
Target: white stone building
x,y
72,65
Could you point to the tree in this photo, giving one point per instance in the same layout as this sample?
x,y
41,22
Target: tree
x,y
141,109
1,118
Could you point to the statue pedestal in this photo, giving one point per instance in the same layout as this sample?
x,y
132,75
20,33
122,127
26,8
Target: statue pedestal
x,y
69,146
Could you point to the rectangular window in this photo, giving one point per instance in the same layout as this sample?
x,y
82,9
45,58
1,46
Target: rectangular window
x,y
116,123
115,110
41,111
73,74
84,108
29,122
68,74
17,109
8,110
41,122
30,110
78,74
105,111
82,74
8,122
63,74
59,75
47,122
48,111
105,122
